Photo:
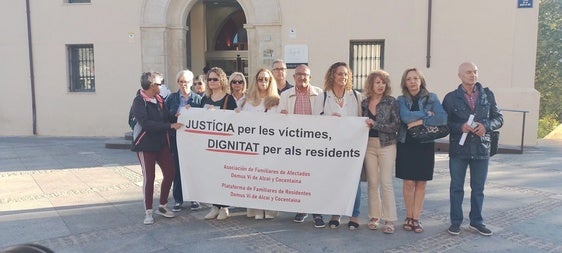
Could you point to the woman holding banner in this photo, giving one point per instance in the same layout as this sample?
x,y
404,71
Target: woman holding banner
x,y
262,97
339,99
384,122
217,96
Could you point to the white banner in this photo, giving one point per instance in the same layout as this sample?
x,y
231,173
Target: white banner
x,y
293,163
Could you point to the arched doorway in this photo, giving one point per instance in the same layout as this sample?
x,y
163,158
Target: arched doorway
x,y
222,36
174,35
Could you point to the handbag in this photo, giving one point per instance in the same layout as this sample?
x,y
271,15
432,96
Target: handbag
x,y
428,133
494,141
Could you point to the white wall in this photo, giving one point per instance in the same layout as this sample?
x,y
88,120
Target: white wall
x,y
497,36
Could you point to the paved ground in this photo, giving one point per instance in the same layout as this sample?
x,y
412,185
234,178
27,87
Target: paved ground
x,y
73,195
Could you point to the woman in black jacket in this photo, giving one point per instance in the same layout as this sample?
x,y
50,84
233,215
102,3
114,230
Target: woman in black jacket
x,y
151,141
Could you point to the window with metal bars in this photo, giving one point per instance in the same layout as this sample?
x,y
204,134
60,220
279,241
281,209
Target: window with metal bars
x,y
81,68
364,57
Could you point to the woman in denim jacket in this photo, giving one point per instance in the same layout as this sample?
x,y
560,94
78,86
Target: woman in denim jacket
x,y
415,160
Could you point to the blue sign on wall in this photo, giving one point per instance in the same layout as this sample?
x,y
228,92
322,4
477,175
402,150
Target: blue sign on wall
x,y
524,3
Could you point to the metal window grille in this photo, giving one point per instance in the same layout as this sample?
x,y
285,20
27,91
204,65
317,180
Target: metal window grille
x,y
365,56
81,68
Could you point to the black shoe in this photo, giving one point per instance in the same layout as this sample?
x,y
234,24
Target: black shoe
x,y
318,222
454,229
195,205
177,207
481,228
299,218
352,225
334,223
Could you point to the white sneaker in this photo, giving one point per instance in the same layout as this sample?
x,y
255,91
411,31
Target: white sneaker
x,y
148,219
223,213
250,212
270,214
213,213
259,214
165,211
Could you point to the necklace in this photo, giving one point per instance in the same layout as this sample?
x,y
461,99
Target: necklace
x,y
339,100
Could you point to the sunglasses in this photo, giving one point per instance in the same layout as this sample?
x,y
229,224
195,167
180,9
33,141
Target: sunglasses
x,y
263,79
213,79
157,84
237,82
197,83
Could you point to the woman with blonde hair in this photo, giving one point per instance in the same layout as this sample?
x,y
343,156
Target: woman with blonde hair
x,y
339,99
262,96
381,109
217,96
238,85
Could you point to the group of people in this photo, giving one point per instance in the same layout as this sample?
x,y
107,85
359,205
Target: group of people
x,y
390,145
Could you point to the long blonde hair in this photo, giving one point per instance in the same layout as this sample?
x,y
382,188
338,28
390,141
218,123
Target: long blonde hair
x,y
271,99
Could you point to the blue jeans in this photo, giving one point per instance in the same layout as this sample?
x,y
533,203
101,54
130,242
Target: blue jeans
x,y
176,188
357,202
478,174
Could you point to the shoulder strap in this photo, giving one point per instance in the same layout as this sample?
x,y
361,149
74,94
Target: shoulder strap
x,y
324,103
359,108
225,100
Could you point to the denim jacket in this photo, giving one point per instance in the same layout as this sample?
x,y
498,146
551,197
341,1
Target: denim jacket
x,y
427,102
387,119
485,112
173,104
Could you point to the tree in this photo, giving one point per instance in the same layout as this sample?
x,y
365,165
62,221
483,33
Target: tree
x,y
548,74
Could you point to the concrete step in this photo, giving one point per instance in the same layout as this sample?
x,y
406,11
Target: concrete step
x,y
118,143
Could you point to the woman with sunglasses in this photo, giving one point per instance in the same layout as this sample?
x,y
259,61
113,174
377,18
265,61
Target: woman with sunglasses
x,y
262,97
217,96
199,84
237,82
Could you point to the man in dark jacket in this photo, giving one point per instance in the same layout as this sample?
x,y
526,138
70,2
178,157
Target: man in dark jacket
x,y
469,144
151,141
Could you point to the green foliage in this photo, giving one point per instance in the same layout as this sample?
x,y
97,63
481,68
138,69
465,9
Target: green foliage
x,y
548,74
547,124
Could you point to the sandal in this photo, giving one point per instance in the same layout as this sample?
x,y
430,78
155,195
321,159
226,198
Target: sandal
x,y
374,224
334,223
407,224
417,226
352,225
388,228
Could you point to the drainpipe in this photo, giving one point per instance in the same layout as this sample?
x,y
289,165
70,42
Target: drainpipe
x,y
31,71
428,56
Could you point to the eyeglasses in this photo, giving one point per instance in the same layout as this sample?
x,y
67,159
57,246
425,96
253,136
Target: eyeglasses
x,y
158,84
213,79
263,79
279,69
302,74
237,82
197,83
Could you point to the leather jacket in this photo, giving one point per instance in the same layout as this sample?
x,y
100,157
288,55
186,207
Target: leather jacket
x,y
485,112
